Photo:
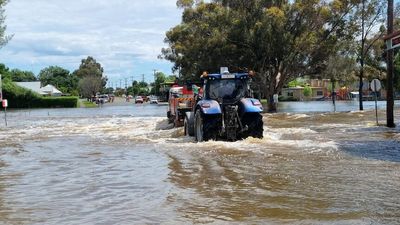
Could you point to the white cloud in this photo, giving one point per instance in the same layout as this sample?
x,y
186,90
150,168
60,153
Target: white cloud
x,y
125,36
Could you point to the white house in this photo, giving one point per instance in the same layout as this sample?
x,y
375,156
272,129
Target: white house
x,y
48,90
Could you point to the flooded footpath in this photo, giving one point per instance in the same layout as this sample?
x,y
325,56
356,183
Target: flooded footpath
x,y
122,165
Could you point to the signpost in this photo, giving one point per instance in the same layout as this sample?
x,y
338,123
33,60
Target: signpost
x,y
5,105
4,102
375,87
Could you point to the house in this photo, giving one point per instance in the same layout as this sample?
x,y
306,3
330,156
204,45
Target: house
x,y
48,90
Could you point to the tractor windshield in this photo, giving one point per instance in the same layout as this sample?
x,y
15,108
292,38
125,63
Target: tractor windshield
x,y
227,90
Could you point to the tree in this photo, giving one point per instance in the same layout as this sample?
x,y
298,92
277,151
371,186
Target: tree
x,y
5,71
307,91
368,15
93,71
160,78
89,67
60,78
22,76
3,37
89,86
280,40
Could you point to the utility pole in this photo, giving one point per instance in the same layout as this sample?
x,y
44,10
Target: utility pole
x,y
390,97
155,87
143,78
120,83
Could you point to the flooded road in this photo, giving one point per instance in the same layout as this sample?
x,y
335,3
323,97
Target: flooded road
x,y
121,165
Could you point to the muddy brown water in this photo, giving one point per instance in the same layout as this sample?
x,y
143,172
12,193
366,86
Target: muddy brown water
x,y
122,165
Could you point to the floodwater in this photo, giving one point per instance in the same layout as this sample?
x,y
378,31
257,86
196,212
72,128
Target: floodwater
x,y
122,165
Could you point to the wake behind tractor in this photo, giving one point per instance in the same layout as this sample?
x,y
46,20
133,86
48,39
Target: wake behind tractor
x,y
225,109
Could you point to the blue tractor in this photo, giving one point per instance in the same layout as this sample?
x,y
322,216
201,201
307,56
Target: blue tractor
x,y
225,109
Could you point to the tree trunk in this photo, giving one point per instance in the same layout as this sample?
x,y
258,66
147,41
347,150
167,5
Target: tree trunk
x,y
333,94
360,89
363,37
271,104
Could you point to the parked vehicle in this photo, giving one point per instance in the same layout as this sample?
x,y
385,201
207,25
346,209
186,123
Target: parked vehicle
x,y
225,110
153,100
139,99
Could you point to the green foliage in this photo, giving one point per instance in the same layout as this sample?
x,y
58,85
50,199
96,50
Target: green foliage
x,y
280,40
18,97
307,91
89,67
22,98
89,86
22,76
58,102
287,99
90,71
60,78
4,71
341,68
3,37
296,83
88,104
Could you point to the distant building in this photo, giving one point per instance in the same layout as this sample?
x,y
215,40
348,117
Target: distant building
x,y
48,90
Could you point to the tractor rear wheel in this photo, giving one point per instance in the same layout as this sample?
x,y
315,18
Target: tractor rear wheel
x,y
255,125
205,127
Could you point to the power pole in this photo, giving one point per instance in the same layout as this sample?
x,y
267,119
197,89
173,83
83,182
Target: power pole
x,y
143,78
390,97
126,86
154,73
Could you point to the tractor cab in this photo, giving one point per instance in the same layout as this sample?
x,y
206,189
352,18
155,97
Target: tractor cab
x,y
226,109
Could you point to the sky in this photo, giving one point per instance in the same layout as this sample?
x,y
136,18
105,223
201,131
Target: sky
x,y
124,36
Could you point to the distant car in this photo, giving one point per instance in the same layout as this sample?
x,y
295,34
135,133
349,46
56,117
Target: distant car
x,y
153,100
104,98
139,99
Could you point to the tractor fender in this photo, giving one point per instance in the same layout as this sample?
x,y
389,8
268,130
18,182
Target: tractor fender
x,y
209,107
251,105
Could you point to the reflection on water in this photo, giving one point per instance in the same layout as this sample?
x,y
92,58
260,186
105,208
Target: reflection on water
x,y
124,165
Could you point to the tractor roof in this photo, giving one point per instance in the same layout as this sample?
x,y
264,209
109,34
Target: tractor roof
x,y
227,76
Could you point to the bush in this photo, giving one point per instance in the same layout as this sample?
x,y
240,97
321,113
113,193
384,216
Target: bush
x,y
288,99
19,97
58,102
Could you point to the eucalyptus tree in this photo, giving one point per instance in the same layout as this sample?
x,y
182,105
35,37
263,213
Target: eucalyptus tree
x,y
279,39
367,18
3,37
90,71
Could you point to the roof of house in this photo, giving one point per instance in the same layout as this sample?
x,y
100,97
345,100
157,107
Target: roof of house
x,y
36,86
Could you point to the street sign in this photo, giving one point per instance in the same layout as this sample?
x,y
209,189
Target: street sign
x,y
393,40
4,103
376,85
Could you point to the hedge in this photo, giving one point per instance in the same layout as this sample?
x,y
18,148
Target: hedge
x,y
19,97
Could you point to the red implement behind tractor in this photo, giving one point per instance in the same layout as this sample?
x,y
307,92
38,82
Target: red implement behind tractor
x,y
181,100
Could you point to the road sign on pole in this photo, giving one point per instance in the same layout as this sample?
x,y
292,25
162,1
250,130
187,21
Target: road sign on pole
x,y
4,103
376,87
